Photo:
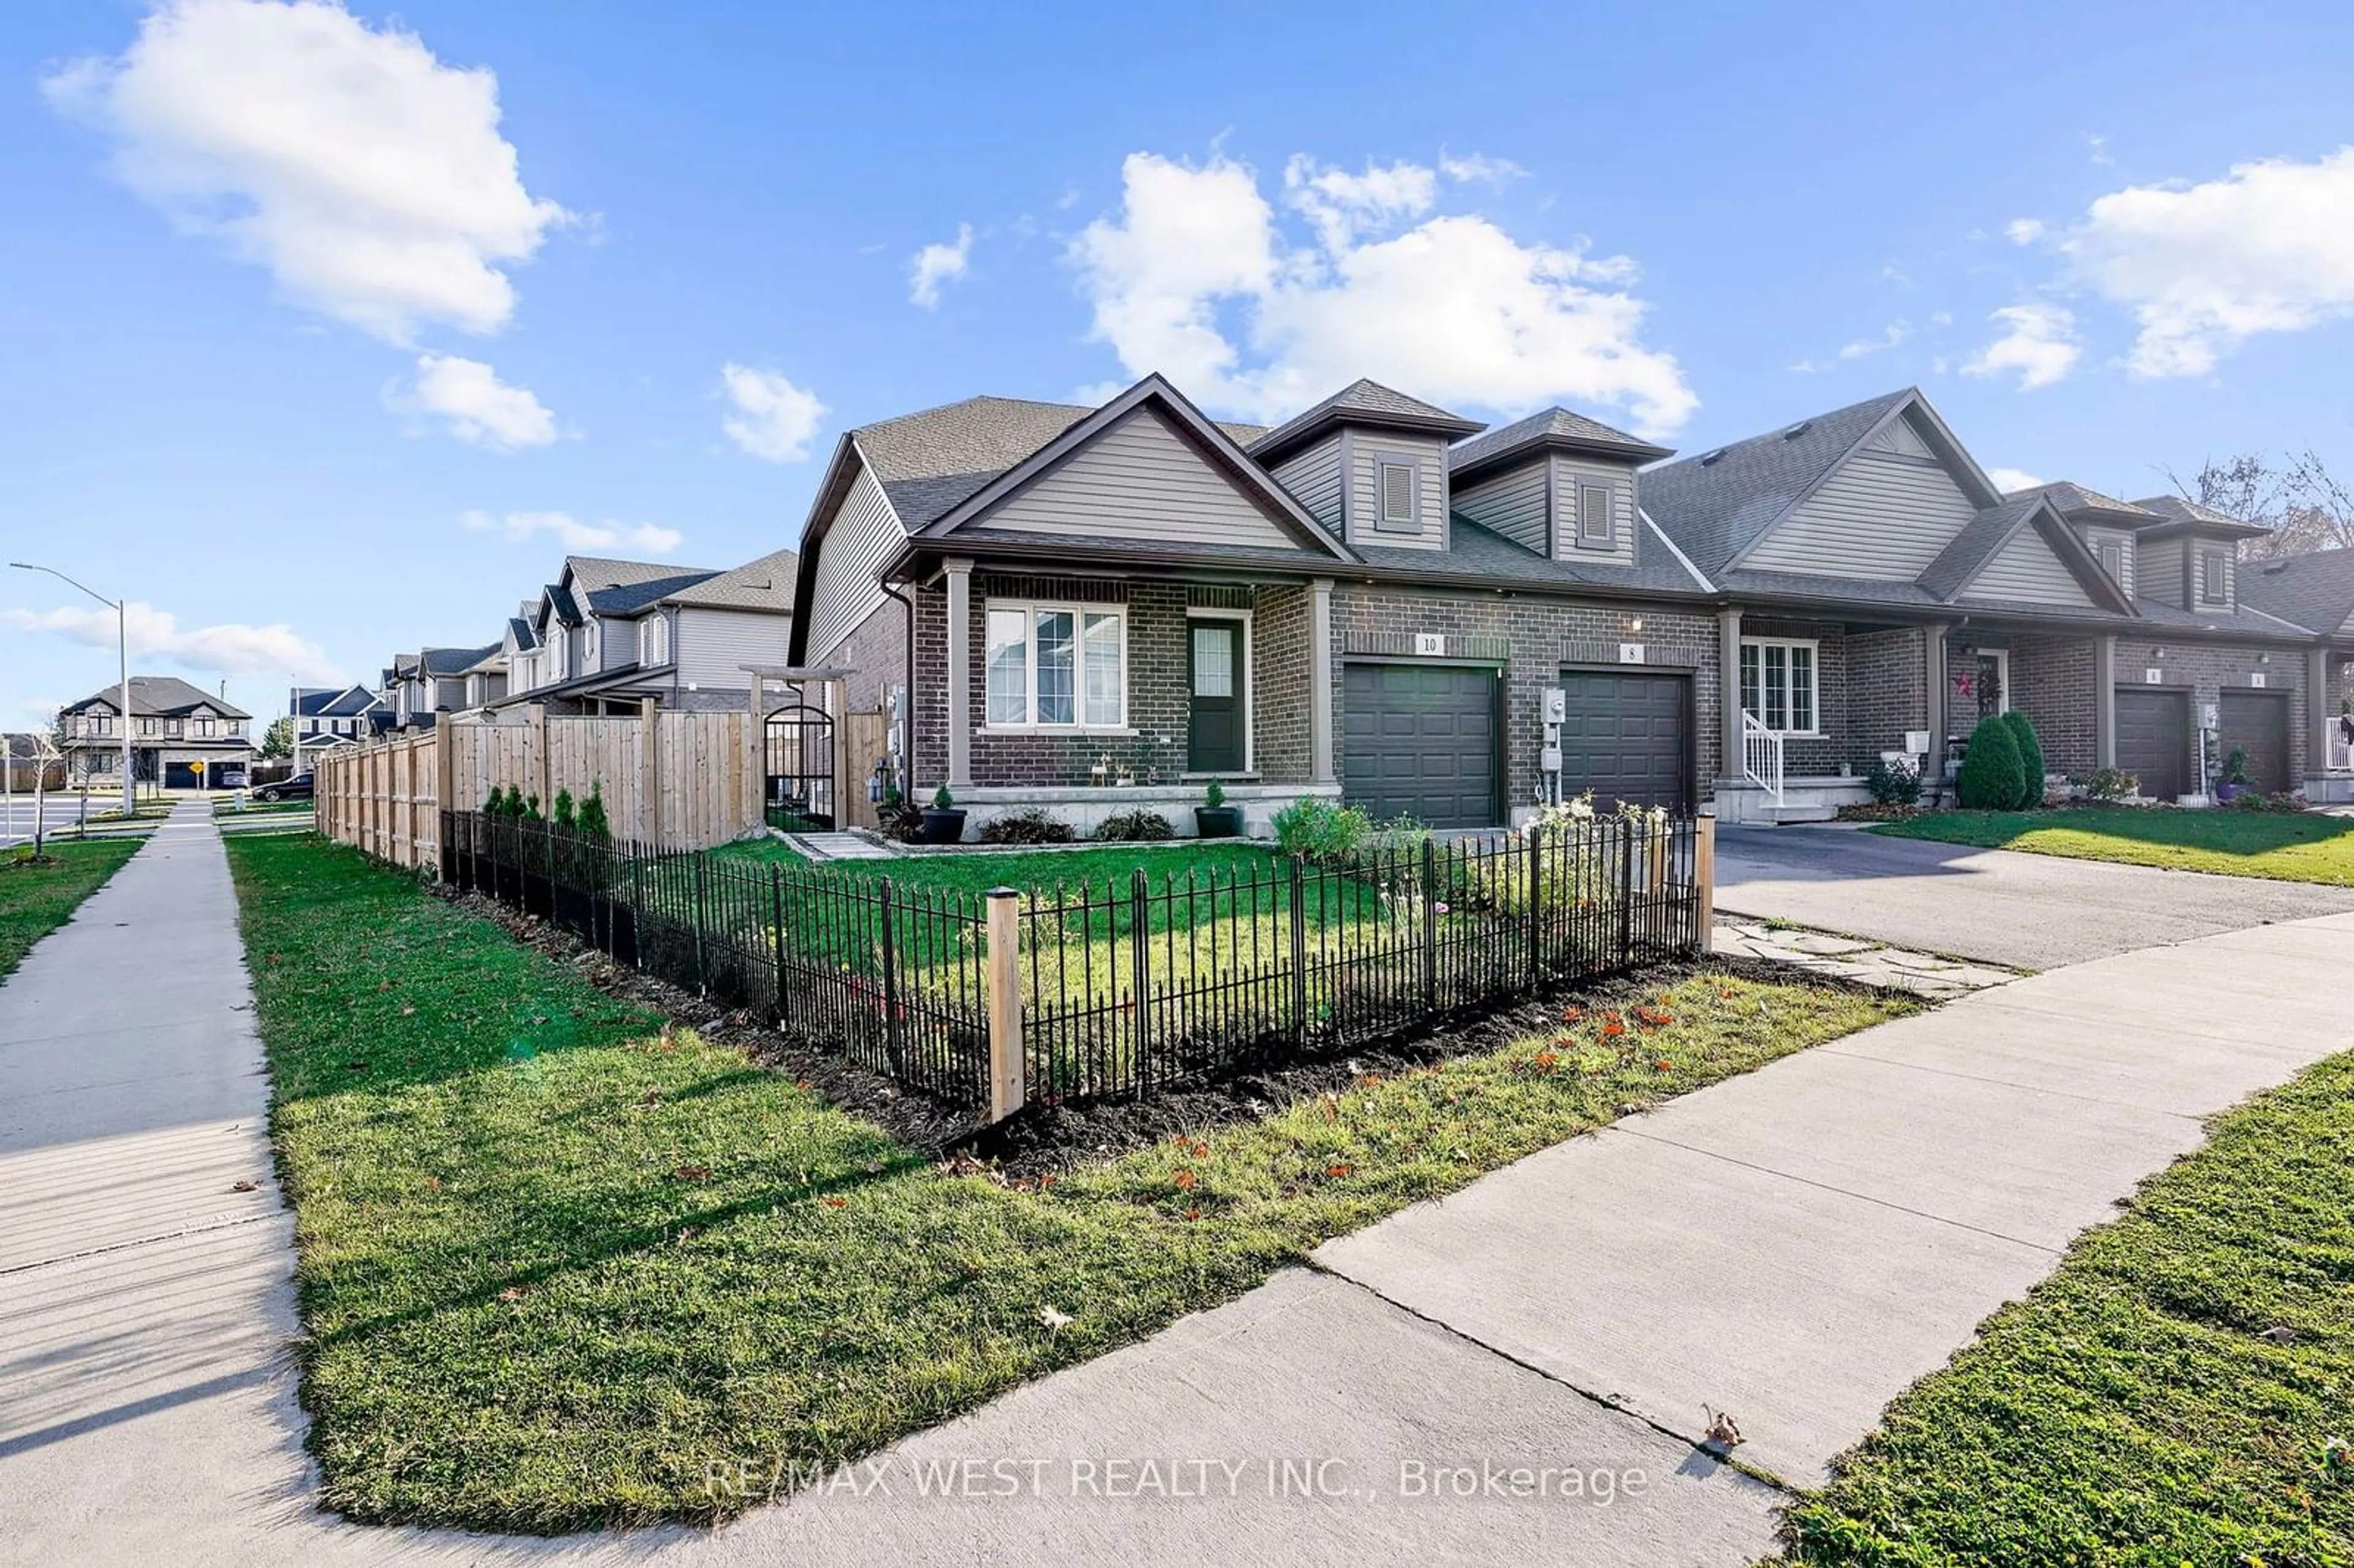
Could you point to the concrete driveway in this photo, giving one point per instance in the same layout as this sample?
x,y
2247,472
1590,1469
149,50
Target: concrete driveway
x,y
2029,911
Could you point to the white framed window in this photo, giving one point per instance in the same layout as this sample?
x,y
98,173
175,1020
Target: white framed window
x,y
1778,684
653,640
1055,667
1394,497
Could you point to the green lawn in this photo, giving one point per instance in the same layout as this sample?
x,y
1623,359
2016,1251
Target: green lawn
x,y
1072,868
553,1264
2284,847
2180,1392
37,899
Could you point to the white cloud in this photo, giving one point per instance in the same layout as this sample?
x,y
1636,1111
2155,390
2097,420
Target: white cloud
x,y
774,419
230,649
2096,147
2268,248
368,177
1477,169
480,409
2023,230
1444,306
2010,478
1896,332
573,534
936,264
2038,342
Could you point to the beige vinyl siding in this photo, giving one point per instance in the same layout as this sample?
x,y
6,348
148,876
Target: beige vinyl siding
x,y
1882,517
2027,571
1313,476
1140,479
849,561
1513,505
713,646
1569,475
2095,538
2159,572
1368,449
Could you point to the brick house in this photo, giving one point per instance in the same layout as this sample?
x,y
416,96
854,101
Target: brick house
x,y
1380,600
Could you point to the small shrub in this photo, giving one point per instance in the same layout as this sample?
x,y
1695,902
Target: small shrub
x,y
2286,800
2234,769
2030,759
1029,825
1318,830
1893,784
942,801
563,816
2110,784
1403,836
1135,827
530,813
1993,777
1214,796
494,804
900,819
594,823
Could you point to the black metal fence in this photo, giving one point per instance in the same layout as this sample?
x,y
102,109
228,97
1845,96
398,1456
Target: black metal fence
x,y
887,977
1128,987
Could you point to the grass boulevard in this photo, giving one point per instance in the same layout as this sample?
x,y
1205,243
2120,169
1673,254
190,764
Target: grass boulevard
x,y
38,896
555,1258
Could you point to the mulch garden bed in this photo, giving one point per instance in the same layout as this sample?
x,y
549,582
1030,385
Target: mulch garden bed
x,y
1045,1139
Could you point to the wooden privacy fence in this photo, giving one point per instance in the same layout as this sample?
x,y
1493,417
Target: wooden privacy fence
x,y
680,780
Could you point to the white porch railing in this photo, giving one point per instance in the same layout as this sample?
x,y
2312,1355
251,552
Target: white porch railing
x,y
1761,755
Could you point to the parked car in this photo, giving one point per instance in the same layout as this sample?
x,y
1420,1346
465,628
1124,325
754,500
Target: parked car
x,y
229,778
295,789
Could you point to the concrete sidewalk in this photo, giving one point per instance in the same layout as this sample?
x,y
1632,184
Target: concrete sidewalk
x,y
1793,1247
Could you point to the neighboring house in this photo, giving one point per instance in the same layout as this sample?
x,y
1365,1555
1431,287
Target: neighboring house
x,y
433,680
181,736
326,717
606,635
1374,599
2318,591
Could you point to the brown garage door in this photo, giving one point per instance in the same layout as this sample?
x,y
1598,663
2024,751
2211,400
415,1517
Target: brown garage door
x,y
2154,741
2257,723
1421,739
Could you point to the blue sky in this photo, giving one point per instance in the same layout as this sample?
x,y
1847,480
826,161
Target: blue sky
x,y
289,301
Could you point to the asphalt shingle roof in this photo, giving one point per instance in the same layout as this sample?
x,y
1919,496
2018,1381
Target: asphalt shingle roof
x,y
159,696
766,583
2315,590
2073,499
1363,400
1716,509
628,598
2177,509
1552,427
444,663
1484,556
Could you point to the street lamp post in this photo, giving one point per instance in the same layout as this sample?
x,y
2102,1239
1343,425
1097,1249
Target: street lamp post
x,y
123,651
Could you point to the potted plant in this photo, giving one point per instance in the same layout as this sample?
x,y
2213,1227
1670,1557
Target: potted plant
x,y
2232,777
1214,819
943,818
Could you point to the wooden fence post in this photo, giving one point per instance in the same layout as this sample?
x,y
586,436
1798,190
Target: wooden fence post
x,y
1008,1084
445,785
1704,881
648,828
538,771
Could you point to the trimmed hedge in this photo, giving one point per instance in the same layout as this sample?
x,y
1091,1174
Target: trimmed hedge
x,y
2030,760
1993,776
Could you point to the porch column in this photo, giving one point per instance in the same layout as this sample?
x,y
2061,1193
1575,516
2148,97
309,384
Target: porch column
x,y
1728,685
2320,712
1933,686
2104,702
960,570
1319,681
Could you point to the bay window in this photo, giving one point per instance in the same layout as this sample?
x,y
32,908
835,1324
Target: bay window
x,y
1055,666
1778,684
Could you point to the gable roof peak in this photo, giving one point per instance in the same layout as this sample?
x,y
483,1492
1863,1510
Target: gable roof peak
x,y
1363,401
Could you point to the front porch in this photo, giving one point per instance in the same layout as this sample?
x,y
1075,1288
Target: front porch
x,y
1819,703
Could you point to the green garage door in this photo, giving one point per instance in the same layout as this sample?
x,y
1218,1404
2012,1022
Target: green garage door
x,y
1626,736
2154,741
1421,739
2257,723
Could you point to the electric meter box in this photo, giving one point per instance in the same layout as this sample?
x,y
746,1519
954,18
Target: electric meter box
x,y
1557,710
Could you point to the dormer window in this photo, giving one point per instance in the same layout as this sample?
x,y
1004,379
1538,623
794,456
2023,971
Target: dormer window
x,y
1397,498
2113,560
1597,526
2213,583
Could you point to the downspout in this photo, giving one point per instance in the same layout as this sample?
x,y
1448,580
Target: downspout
x,y
907,691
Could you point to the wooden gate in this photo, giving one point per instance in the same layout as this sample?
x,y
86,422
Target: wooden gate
x,y
865,740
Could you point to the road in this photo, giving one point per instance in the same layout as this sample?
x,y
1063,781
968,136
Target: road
x,y
17,814
2028,911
